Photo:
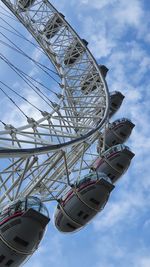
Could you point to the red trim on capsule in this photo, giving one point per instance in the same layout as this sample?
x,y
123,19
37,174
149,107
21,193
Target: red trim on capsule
x,y
11,217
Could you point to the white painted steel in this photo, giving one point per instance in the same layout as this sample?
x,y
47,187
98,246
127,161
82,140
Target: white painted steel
x,y
33,154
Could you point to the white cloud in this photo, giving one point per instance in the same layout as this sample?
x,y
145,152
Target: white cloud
x,y
98,4
117,32
144,262
124,209
50,252
129,12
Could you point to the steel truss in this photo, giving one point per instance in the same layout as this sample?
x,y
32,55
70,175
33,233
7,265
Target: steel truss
x,y
39,155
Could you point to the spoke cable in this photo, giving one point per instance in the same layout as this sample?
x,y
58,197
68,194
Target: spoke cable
x,y
13,102
20,51
20,96
26,39
36,89
30,84
20,35
10,17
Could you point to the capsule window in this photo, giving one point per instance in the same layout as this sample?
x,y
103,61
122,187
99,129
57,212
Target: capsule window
x,y
71,226
120,165
87,189
111,176
111,159
114,157
5,228
80,213
20,241
114,104
9,263
2,257
85,216
114,142
15,222
93,200
122,134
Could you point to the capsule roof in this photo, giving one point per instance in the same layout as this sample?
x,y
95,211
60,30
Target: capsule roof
x,y
27,203
92,176
118,148
122,120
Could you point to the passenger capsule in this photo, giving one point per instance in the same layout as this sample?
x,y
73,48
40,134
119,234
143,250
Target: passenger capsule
x,y
114,162
53,25
84,200
103,70
22,226
116,99
118,132
74,52
92,79
23,5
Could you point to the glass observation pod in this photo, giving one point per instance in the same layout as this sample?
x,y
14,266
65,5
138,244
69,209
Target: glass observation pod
x,y
53,25
83,201
90,81
22,225
114,162
118,132
25,4
116,99
74,52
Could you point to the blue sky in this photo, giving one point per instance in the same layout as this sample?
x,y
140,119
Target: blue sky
x,y
119,37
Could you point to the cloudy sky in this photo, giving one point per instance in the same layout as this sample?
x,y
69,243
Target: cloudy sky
x,y
119,37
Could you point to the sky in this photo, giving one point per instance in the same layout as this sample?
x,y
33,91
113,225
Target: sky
x,y
119,37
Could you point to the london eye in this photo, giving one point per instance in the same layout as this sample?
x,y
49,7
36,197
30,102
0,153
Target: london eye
x,y
56,139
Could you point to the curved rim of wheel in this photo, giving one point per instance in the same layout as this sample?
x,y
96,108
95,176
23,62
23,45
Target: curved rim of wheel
x,y
72,78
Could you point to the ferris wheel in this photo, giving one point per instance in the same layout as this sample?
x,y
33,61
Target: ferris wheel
x,y
56,141
39,156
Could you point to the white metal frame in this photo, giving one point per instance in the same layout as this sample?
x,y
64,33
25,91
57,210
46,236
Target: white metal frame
x,y
71,126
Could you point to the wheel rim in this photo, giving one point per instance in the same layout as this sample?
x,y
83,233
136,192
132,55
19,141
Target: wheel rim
x,y
83,128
